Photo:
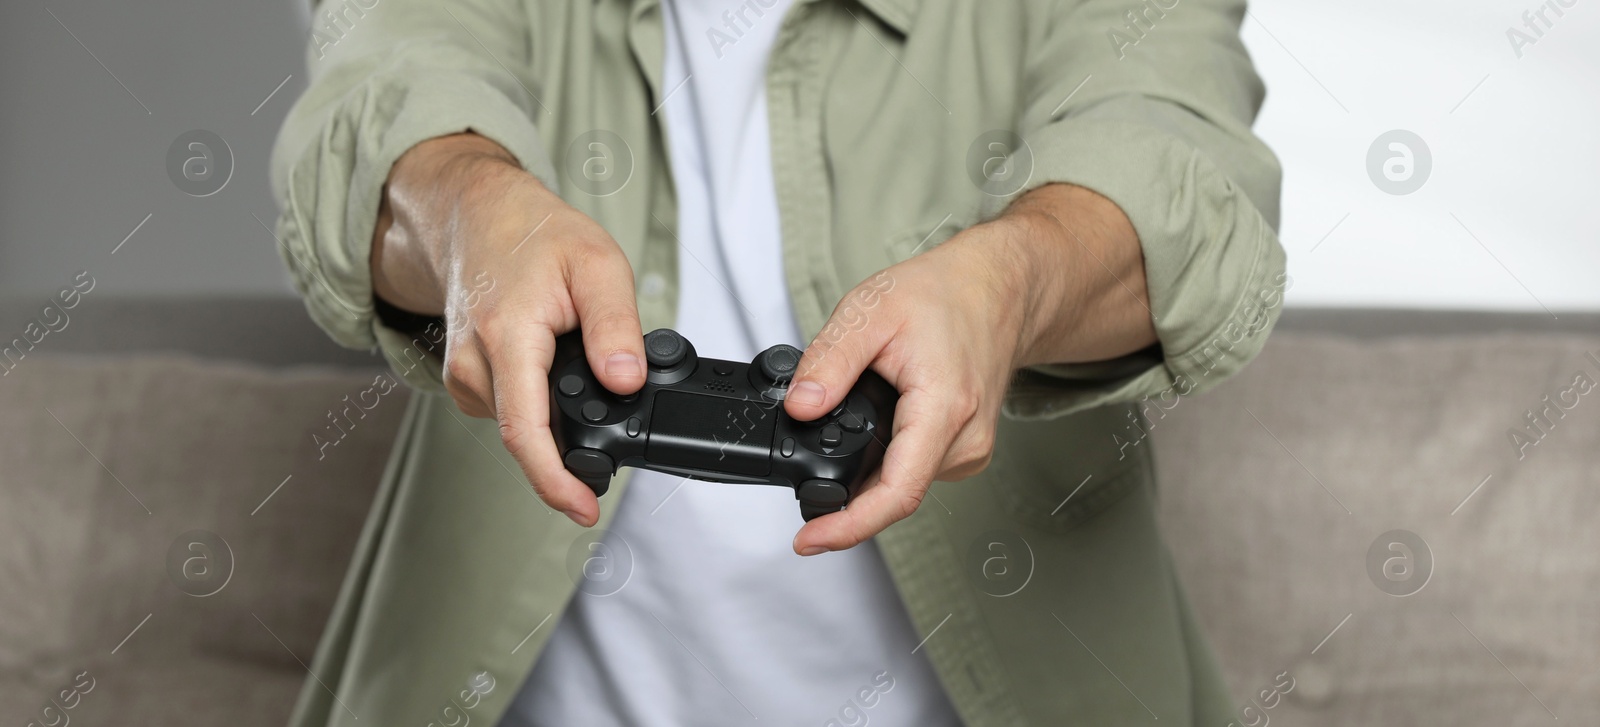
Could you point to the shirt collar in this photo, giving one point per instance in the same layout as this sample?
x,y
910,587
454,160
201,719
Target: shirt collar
x,y
898,14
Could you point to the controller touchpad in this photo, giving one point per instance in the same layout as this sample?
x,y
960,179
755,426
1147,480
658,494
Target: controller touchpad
x,y
710,432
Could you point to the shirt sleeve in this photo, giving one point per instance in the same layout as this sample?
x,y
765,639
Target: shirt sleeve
x,y
382,79
1150,105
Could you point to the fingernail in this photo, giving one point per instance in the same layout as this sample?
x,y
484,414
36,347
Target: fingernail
x,y
813,550
809,393
623,364
575,517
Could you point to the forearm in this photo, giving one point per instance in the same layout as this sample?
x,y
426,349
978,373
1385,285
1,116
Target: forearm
x,y
1079,263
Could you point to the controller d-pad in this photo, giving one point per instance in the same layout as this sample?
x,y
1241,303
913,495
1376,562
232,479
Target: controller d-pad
x,y
831,436
851,422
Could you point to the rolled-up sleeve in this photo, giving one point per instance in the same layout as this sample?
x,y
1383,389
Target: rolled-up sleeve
x,y
381,81
1150,106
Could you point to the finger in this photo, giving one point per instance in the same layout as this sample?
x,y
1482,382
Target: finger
x,y
601,284
970,453
522,406
848,344
923,432
466,379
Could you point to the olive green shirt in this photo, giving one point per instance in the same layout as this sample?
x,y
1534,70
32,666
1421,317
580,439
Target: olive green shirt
x,y
1041,585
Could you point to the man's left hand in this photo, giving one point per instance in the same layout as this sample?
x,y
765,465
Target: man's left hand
x,y
948,328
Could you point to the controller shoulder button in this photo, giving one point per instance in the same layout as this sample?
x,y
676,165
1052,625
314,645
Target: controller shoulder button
x,y
593,411
570,385
822,492
593,467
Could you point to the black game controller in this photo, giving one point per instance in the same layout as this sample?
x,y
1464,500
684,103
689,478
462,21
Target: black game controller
x,y
721,421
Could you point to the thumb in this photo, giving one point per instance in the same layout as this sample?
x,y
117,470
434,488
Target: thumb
x,y
835,359
601,287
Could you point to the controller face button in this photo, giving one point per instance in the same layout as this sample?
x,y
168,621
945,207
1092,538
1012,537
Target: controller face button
x,y
571,385
593,411
664,348
850,422
822,492
831,436
778,363
786,448
634,426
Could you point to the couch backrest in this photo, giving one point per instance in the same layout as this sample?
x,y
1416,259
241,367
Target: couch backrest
x,y
1278,494
106,465
1281,492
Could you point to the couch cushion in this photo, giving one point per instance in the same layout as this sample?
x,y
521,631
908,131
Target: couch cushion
x,y
1277,485
198,446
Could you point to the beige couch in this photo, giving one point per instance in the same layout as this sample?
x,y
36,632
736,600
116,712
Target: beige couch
x,y
1274,490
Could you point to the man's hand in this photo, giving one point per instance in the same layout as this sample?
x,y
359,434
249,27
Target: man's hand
x,y
1058,278
466,233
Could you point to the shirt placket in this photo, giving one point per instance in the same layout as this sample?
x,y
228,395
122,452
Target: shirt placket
x,y
917,550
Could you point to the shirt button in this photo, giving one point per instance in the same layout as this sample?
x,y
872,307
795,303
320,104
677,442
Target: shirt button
x,y
652,285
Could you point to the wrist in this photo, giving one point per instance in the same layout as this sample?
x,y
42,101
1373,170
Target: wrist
x,y
1026,247
429,188
1005,264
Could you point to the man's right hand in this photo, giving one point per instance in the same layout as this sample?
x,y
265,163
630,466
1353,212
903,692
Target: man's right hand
x,y
464,232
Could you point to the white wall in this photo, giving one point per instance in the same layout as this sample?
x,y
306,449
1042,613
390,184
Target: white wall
x,y
1516,161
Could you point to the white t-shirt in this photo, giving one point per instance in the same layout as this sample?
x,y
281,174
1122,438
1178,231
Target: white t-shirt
x,y
719,622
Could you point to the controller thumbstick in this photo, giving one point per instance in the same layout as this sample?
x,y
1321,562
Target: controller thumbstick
x,y
773,368
671,357
778,363
664,348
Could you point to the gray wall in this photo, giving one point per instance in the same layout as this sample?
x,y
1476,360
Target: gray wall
x,y
85,160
